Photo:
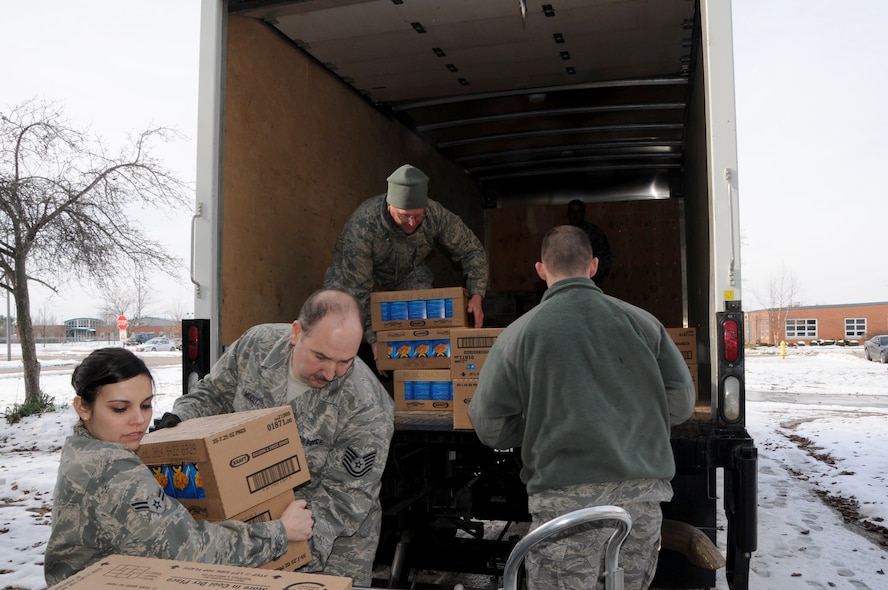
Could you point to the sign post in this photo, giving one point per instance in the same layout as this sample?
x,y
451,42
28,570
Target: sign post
x,y
122,325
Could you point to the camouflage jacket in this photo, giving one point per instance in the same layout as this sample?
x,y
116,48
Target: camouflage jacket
x,y
345,427
107,501
373,253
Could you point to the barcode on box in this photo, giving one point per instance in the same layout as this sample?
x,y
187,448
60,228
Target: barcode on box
x,y
273,474
475,341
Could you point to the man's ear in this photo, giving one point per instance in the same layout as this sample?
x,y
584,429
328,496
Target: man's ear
x,y
593,267
541,270
295,332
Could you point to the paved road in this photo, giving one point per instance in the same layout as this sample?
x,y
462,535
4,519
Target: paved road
x,y
847,400
56,358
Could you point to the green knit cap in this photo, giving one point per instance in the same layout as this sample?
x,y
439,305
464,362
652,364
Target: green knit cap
x,y
408,188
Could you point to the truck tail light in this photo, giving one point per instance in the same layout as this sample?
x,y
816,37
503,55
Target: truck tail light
x,y
192,340
731,337
731,378
195,351
731,403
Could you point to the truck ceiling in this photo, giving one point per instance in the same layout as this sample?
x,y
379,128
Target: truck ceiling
x,y
567,95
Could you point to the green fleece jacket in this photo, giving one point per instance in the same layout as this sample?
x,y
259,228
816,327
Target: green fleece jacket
x,y
588,386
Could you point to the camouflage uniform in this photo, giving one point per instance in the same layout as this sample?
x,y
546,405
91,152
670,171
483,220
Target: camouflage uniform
x,y
374,253
569,560
345,427
107,501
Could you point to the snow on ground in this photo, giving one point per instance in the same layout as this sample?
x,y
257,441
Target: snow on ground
x,y
819,418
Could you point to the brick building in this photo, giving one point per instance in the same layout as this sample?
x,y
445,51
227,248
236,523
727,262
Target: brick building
x,y
853,321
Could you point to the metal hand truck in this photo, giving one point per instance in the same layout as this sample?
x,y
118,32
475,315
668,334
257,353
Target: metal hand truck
x,y
613,573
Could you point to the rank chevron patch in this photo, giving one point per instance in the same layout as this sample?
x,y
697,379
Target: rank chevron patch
x,y
358,465
157,504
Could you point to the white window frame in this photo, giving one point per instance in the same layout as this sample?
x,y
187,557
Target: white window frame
x,y
855,327
801,328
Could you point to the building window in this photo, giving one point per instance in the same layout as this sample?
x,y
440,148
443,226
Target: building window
x,y
802,328
763,330
855,327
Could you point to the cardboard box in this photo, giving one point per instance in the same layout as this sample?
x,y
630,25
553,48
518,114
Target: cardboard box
x,y
243,459
145,573
419,308
463,390
686,341
413,349
298,553
423,390
468,350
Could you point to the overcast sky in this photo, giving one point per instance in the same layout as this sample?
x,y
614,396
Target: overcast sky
x,y
811,118
115,67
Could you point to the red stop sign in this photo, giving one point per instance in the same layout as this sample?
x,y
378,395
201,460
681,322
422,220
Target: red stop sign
x,y
121,322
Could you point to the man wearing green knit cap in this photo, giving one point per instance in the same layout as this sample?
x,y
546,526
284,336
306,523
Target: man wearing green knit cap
x,y
385,242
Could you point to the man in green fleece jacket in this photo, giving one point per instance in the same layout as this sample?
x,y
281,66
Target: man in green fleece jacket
x,y
588,386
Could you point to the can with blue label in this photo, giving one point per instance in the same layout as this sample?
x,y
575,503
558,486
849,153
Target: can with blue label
x,y
441,390
398,310
422,390
164,476
435,308
448,308
190,489
440,348
416,309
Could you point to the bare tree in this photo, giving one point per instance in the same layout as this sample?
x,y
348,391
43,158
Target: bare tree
x,y
176,311
142,299
116,301
782,295
64,200
46,324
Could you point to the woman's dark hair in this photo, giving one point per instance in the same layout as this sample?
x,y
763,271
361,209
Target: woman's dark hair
x,y
104,366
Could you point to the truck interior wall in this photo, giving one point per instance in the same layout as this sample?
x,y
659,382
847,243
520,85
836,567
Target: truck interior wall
x,y
308,150
644,237
697,224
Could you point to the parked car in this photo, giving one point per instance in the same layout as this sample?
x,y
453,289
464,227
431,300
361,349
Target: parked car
x,y
177,342
876,348
157,344
139,338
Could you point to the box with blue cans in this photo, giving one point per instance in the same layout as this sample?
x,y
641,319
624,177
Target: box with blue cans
x,y
220,466
413,349
423,390
419,308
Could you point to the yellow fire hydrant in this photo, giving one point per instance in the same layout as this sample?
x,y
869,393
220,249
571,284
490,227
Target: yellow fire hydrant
x,y
783,349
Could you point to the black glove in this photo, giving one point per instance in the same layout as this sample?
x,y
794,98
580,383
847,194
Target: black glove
x,y
168,420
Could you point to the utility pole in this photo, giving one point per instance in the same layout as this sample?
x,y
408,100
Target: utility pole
x,y
8,336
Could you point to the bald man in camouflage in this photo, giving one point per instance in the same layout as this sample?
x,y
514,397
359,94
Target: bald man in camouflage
x,y
386,241
345,419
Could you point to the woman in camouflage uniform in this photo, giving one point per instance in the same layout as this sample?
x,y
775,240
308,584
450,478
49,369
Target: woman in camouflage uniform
x,y
107,501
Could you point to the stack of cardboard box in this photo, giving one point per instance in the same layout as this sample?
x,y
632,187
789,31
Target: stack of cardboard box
x,y
240,466
686,341
424,338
